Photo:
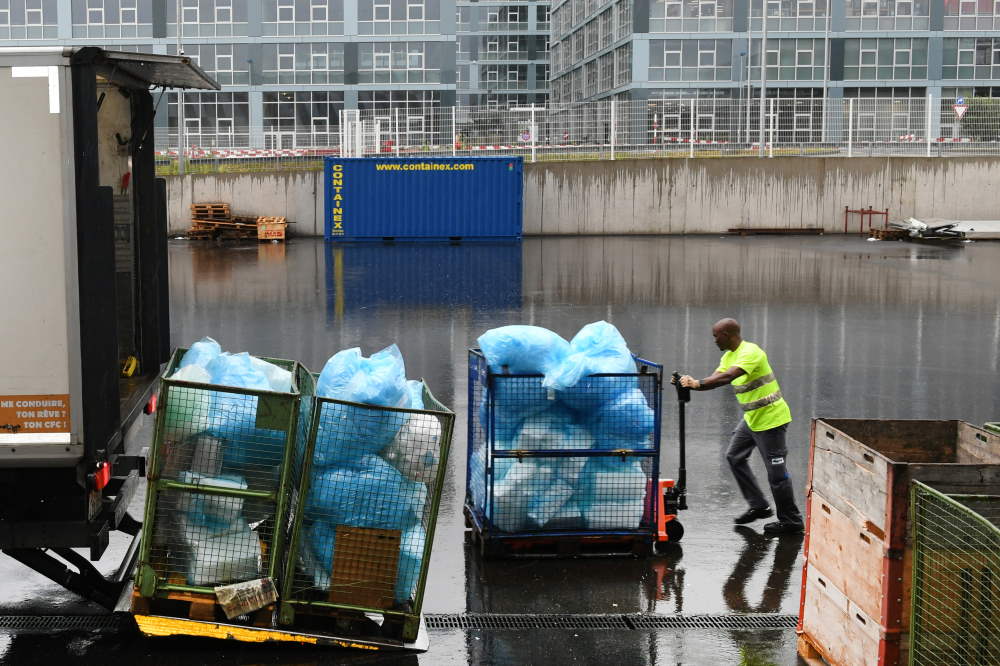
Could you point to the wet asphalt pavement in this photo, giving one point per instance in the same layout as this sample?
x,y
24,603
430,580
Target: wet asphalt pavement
x,y
852,328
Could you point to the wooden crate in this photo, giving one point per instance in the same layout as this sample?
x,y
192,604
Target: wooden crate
x,y
271,228
856,579
365,563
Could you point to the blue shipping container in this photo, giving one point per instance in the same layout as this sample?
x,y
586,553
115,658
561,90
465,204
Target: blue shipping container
x,y
423,198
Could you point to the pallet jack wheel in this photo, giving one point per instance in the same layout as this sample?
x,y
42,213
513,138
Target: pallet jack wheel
x,y
675,531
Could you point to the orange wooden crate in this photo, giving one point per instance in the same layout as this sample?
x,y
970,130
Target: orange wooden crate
x,y
855,603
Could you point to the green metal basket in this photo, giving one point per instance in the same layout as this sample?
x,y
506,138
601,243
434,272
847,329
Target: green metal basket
x,y
367,487
218,487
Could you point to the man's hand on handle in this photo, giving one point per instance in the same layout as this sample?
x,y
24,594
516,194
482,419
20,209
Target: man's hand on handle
x,y
687,381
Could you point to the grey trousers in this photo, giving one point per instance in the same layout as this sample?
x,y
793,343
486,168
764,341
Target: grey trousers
x,y
771,444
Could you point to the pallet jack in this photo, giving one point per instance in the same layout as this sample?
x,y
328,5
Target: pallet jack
x,y
672,495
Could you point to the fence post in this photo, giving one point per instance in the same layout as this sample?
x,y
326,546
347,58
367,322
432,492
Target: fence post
x,y
613,130
850,127
454,133
396,126
770,146
340,117
534,131
691,139
930,103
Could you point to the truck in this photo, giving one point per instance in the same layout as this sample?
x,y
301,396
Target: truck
x,y
87,334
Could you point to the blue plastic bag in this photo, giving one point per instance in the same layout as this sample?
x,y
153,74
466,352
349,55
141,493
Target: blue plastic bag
x,y
237,370
411,555
598,348
201,353
375,495
378,380
348,433
628,416
523,349
415,387
233,416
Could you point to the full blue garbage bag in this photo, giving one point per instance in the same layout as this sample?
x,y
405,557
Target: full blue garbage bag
x,y
415,388
411,554
628,416
375,495
201,353
320,543
378,380
345,432
232,417
523,349
597,349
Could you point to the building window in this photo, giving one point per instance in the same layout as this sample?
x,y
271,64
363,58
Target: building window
x,y
415,10
223,11
189,11
129,12
286,57
95,15
33,12
318,11
885,59
319,62
382,60
4,13
286,11
415,60
381,12
224,58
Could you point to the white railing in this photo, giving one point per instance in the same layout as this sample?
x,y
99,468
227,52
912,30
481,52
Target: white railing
x,y
611,130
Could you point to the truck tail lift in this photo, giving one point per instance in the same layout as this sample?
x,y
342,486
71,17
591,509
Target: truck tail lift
x,y
86,263
673,494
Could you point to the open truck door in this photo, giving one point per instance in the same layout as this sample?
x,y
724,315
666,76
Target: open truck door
x,y
85,287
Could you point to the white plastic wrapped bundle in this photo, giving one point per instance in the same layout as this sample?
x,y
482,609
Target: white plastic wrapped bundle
x,y
612,494
416,449
221,555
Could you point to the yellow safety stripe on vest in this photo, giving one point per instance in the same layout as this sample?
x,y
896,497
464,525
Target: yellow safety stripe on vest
x,y
755,384
763,402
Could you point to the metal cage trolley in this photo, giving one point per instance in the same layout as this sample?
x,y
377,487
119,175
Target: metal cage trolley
x,y
564,473
218,491
367,485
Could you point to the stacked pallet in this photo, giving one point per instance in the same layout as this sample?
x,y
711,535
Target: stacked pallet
x,y
215,220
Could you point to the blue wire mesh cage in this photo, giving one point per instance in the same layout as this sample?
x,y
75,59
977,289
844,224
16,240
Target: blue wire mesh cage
x,y
583,461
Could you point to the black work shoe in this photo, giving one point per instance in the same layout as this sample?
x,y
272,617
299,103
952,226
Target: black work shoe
x,y
752,515
781,529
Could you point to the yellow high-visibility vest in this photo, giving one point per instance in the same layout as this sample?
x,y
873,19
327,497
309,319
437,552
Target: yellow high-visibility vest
x,y
757,391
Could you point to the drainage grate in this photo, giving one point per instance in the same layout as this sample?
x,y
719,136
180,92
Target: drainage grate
x,y
757,621
500,622
524,621
47,624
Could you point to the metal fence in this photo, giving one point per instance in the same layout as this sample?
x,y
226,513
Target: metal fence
x,y
606,130
956,579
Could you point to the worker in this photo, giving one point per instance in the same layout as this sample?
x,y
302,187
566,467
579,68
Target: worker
x,y
765,419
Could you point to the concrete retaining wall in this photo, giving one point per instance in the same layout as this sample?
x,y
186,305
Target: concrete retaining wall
x,y
668,196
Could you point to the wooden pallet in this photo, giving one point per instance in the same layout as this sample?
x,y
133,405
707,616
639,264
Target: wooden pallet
x,y
193,606
890,234
271,220
211,211
569,546
796,231
221,224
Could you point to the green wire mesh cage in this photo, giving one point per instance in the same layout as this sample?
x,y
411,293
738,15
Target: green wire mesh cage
x,y
955,611
218,481
365,497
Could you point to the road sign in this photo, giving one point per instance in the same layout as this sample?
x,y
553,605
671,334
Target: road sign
x,y
960,100
960,109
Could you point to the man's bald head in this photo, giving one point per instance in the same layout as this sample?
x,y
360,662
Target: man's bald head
x,y
727,334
